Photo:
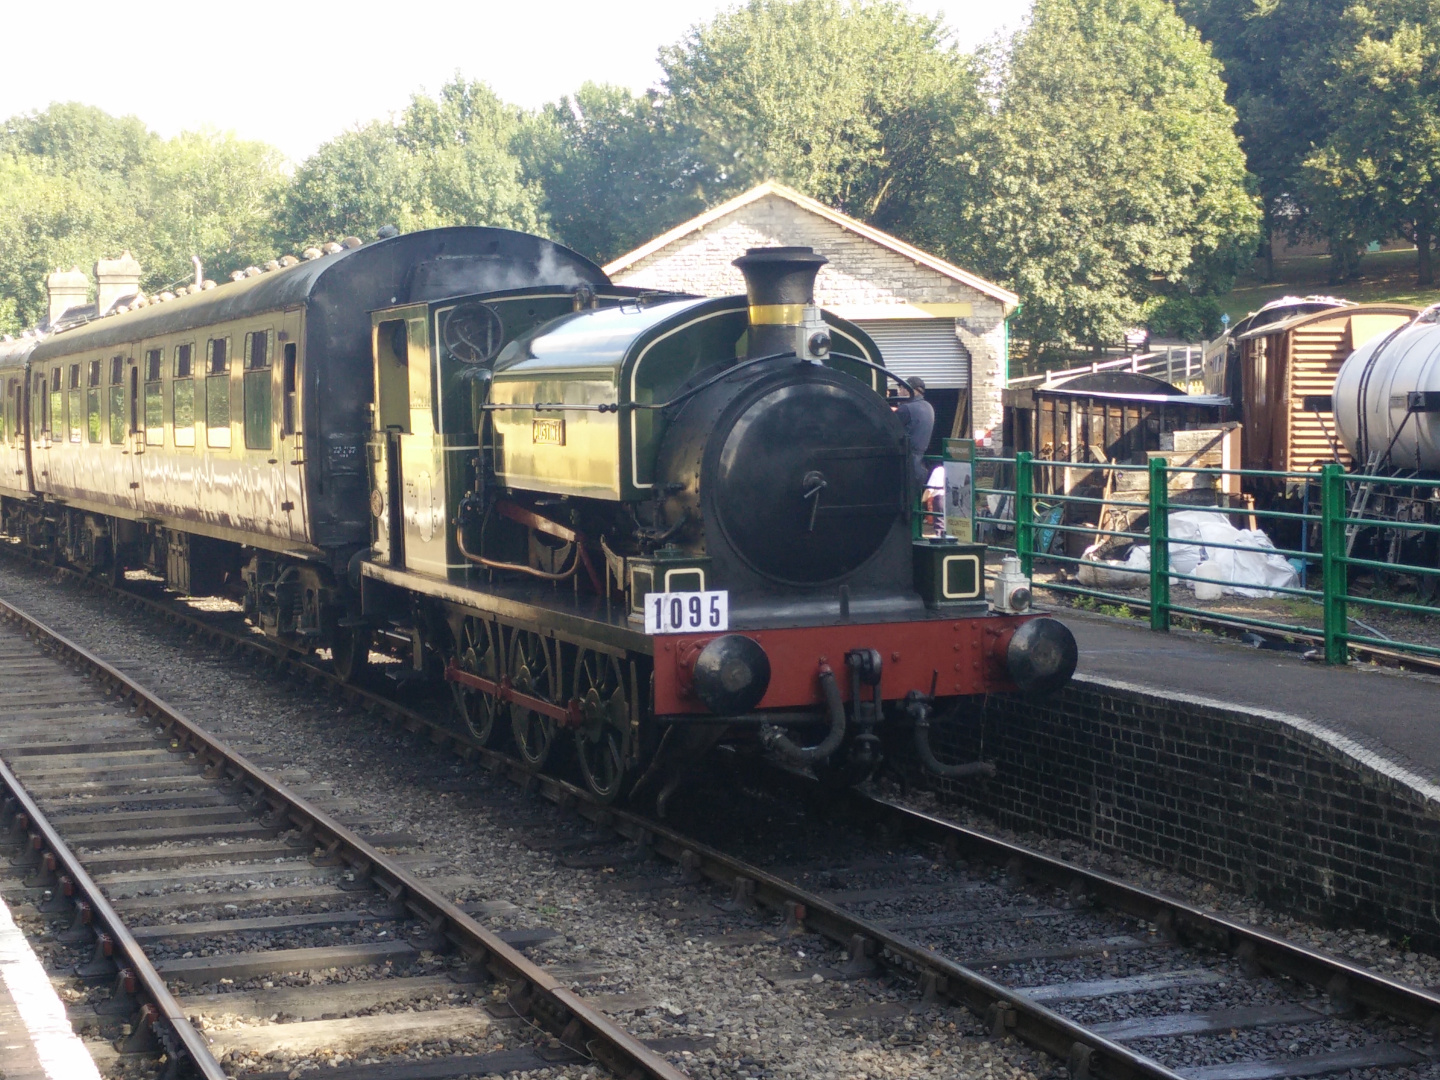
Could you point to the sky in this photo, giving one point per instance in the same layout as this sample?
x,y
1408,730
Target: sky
x,y
297,73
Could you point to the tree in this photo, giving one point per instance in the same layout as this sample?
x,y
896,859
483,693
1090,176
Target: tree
x,y
853,103
448,160
1112,171
1279,58
77,184
47,222
614,172
214,196
1380,165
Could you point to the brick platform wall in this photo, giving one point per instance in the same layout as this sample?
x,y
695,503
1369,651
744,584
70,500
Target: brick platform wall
x,y
1270,805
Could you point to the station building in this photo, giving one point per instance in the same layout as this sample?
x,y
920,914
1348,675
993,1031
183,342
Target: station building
x,y
930,318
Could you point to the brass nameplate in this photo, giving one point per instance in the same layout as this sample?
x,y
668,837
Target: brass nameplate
x,y
549,432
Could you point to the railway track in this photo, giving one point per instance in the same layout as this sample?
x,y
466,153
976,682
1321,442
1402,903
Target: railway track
x,y
1110,979
165,859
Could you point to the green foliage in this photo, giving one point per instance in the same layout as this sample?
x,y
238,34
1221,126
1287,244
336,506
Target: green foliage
x,y
1378,171
1112,171
613,172
77,185
212,195
1187,317
858,104
448,160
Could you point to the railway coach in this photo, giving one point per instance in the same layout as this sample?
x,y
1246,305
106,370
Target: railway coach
x,y
218,437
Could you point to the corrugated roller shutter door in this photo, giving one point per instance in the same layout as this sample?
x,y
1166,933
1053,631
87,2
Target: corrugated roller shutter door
x,y
928,348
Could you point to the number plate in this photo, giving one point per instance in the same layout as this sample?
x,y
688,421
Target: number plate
x,y
687,612
548,432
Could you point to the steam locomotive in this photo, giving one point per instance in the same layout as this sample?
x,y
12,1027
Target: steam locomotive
x,y
618,523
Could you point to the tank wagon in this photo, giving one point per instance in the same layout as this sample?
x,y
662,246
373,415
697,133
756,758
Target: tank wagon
x,y
619,525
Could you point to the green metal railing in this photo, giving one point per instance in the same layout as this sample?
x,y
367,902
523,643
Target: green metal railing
x,y
1338,518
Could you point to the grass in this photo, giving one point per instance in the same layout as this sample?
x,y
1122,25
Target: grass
x,y
1385,277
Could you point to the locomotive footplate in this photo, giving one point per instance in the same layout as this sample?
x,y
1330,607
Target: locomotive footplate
x,y
934,657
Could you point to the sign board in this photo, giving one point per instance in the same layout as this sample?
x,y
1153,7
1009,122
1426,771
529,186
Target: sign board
x,y
960,490
687,612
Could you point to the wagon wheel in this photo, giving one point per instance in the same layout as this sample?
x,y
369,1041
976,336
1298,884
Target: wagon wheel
x,y
601,740
532,671
477,654
350,652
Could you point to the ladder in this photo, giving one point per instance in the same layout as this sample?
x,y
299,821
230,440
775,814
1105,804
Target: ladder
x,y
1362,500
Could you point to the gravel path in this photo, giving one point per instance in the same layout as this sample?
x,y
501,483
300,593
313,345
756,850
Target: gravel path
x,y
732,994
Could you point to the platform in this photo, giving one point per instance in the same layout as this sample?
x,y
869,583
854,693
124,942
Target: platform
x,y
36,1040
1390,713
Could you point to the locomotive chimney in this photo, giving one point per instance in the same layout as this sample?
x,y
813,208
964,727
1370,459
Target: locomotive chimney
x,y
780,285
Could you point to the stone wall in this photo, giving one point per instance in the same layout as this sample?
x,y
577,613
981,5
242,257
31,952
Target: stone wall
x,y
1264,803
861,273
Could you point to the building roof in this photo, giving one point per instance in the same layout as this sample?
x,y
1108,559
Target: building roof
x,y
1009,299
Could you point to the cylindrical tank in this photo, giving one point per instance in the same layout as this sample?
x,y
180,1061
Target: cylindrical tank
x,y
1377,388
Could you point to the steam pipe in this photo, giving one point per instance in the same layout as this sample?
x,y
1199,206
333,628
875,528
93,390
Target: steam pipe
x,y
495,564
919,708
775,739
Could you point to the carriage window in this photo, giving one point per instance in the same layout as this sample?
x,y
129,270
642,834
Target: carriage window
x,y
154,399
117,400
39,407
217,392
57,405
291,383
259,390
182,396
77,405
258,349
92,402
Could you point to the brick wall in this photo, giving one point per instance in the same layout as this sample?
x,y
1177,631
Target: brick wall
x,y
860,272
1264,803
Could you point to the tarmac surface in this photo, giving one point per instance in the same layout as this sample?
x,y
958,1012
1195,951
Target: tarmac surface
x,y
1392,713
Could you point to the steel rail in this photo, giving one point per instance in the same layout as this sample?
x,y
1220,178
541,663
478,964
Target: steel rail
x,y
159,1011
532,991
1087,1054
1346,983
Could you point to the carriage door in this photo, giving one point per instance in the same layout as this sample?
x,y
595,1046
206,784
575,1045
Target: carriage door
x,y
290,447
392,420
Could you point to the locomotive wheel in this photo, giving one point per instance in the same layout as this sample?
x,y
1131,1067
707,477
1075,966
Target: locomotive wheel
x,y
532,672
350,652
477,654
601,742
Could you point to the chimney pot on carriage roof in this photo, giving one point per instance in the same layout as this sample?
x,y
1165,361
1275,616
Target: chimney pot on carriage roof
x,y
115,279
66,289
